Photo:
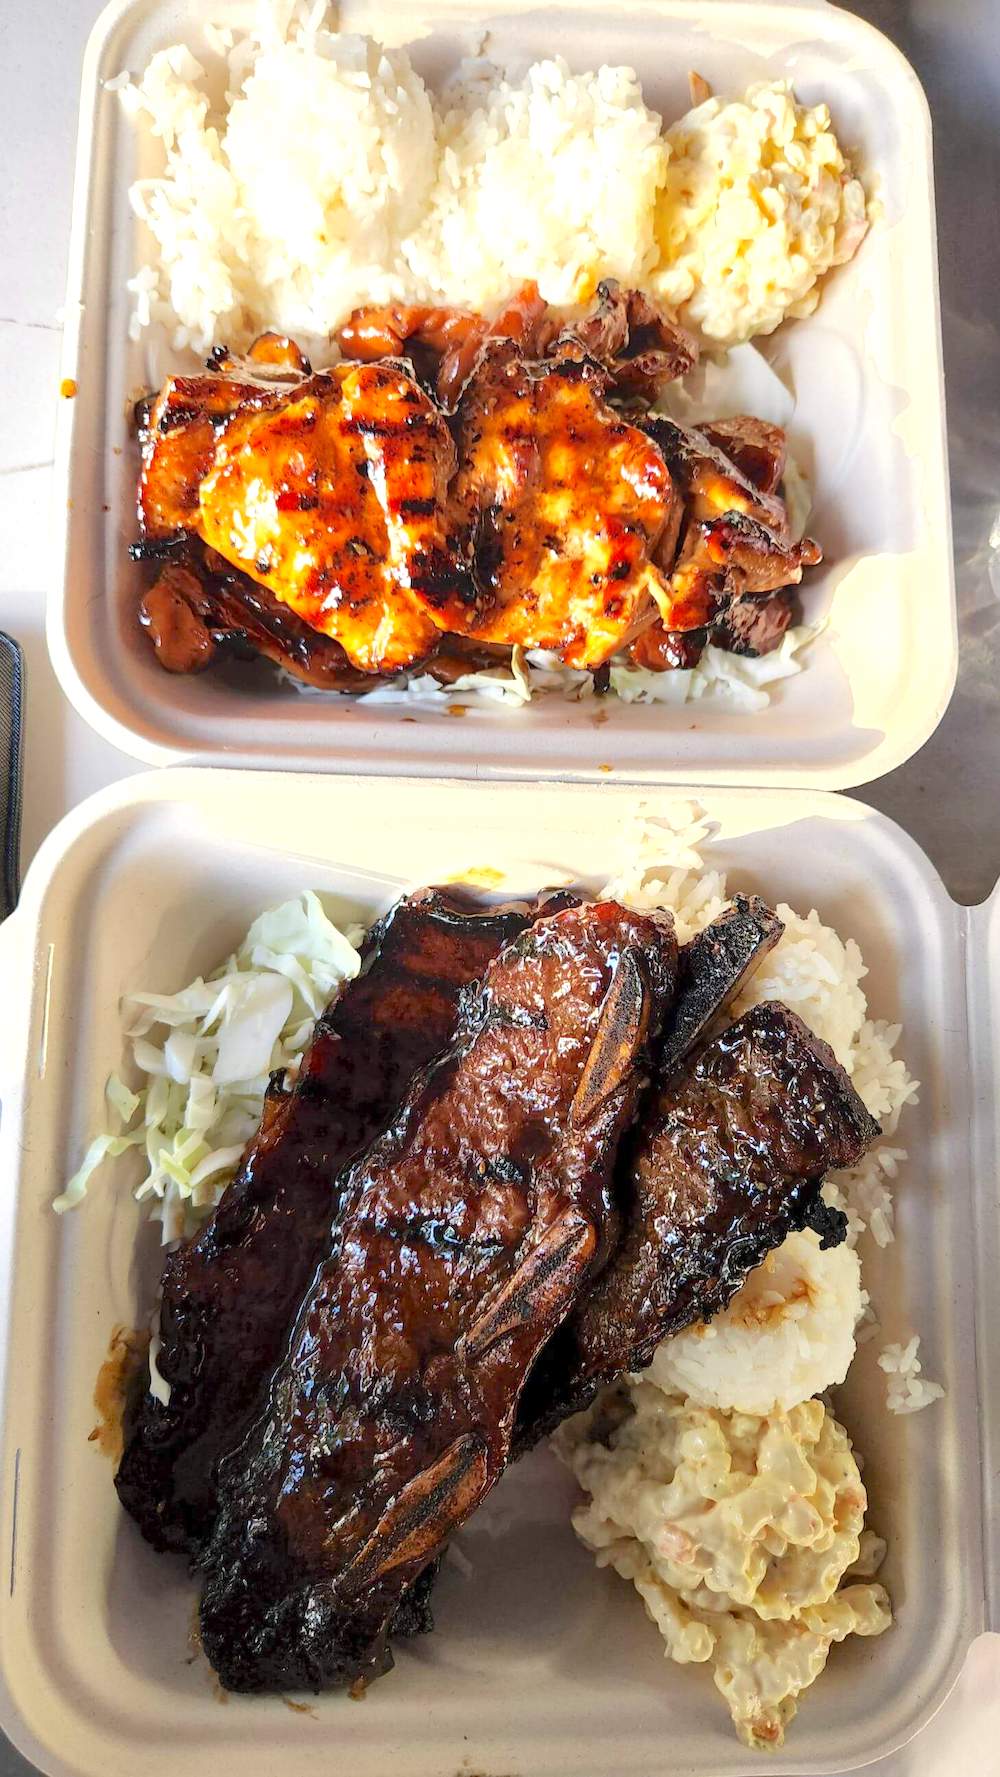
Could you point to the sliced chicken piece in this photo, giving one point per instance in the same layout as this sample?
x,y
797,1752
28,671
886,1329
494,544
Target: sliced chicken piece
x,y
564,501
178,431
757,448
178,434
335,501
663,650
194,616
757,626
640,343
734,539
444,344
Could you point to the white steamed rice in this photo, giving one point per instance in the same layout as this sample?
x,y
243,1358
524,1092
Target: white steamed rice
x,y
328,176
788,1334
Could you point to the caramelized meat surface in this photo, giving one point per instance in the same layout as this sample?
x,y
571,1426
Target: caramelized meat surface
x,y
565,502
472,1224
711,969
230,1294
195,614
734,541
639,343
444,344
501,484
757,448
336,502
179,429
728,1158
757,625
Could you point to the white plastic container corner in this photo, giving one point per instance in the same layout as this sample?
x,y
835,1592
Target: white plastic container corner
x,y
869,425
155,879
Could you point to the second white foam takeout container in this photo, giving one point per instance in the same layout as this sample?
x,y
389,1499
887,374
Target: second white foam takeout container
x,y
867,425
539,1664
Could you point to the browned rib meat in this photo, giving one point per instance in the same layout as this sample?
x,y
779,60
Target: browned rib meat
x,y
729,1158
472,1224
230,1294
711,969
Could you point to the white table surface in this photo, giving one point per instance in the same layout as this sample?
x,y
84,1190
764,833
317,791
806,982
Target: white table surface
x,y
947,798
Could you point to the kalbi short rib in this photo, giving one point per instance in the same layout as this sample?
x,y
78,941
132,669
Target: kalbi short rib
x,y
230,1295
710,971
472,1224
728,1159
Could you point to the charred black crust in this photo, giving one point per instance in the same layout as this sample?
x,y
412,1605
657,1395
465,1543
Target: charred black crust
x,y
712,968
167,1476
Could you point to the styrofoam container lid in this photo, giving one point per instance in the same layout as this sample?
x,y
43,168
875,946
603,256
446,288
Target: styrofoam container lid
x,y
868,425
539,1664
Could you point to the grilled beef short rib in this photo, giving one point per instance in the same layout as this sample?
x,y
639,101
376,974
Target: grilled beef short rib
x,y
711,970
229,1296
729,1158
472,1224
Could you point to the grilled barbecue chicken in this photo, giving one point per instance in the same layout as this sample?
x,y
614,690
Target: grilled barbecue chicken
x,y
733,546
458,481
564,503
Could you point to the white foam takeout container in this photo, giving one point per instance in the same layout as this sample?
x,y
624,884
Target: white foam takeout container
x,y
868,424
539,1664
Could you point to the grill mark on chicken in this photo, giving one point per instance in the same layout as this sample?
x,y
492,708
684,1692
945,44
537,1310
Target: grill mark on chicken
x,y
565,502
728,1158
230,1294
303,490
390,1416
564,522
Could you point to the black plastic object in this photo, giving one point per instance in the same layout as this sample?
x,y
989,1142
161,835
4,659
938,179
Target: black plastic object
x,y
11,716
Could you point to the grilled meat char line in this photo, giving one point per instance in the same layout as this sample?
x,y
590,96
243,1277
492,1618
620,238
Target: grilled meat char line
x,y
728,1158
711,969
230,1294
474,1221
337,501
682,1238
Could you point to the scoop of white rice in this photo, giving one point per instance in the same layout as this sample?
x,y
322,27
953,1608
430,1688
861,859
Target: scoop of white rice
x,y
786,1335
552,178
331,178
287,209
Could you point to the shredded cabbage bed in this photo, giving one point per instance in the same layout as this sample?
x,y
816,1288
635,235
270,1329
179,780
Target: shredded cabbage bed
x,y
205,1055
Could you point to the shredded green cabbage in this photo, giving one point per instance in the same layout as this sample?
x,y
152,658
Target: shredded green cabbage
x,y
205,1055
